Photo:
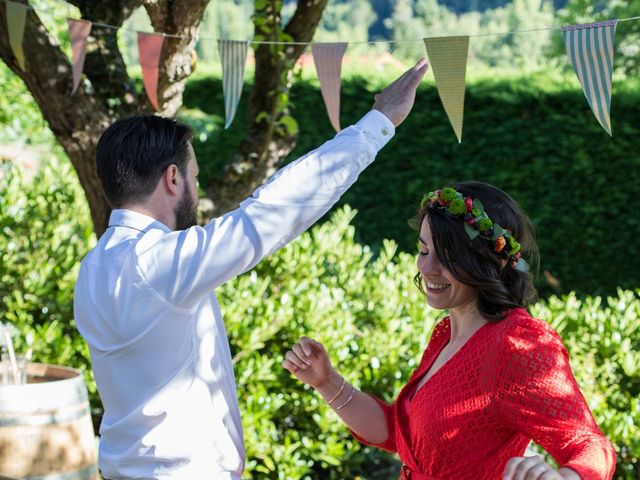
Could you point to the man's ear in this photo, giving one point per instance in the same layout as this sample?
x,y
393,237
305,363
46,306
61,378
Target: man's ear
x,y
171,179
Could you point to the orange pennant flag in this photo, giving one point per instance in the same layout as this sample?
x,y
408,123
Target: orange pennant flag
x,y
78,32
149,52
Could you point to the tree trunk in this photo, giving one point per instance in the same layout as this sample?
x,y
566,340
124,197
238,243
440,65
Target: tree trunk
x,y
78,121
267,142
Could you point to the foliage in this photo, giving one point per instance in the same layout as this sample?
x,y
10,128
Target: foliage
x,y
627,40
20,119
603,337
45,230
368,313
346,21
415,19
361,304
534,136
321,285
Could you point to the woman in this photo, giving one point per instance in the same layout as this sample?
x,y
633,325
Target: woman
x,y
492,378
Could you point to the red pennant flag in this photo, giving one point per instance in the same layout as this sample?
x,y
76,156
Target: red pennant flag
x,y
149,52
328,60
78,32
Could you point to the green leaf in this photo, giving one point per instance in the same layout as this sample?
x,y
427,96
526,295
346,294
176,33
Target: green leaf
x,y
470,231
263,115
498,231
290,124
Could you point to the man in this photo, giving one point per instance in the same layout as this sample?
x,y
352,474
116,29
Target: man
x,y
144,298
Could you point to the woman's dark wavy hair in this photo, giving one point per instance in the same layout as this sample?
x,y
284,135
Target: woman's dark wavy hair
x,y
500,287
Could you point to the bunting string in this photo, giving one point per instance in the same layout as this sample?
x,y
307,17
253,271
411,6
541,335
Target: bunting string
x,y
589,46
272,42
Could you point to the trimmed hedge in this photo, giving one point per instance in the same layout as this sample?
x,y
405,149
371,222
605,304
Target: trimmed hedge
x,y
533,136
361,304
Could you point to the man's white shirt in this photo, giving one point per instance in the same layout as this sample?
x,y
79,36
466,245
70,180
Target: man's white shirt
x,y
145,304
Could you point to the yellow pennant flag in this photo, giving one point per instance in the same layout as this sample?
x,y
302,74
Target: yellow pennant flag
x,y
16,18
448,59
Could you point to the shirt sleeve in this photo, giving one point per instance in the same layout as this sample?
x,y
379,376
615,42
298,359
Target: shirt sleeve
x,y
390,443
183,266
539,397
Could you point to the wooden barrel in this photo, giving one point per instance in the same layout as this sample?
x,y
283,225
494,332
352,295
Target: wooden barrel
x,y
45,427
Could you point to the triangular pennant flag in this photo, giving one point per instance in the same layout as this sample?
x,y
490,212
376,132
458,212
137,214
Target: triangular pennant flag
x,y
328,60
233,55
448,58
149,52
590,51
16,18
78,32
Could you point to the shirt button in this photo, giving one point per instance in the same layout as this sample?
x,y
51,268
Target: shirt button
x,y
385,132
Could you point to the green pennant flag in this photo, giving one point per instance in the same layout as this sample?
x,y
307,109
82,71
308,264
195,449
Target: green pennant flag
x,y
16,18
448,59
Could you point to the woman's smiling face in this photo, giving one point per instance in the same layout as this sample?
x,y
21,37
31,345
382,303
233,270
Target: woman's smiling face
x,y
443,291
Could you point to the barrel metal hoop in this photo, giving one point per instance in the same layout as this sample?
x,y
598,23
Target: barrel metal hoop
x,y
49,418
87,473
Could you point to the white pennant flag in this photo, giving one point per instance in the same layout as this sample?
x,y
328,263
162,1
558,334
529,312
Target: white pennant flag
x,y
233,54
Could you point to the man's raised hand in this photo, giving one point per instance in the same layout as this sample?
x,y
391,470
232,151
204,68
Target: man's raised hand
x,y
396,100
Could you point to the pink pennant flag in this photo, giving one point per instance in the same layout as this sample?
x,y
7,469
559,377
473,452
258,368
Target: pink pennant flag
x,y
78,32
328,60
149,52
16,19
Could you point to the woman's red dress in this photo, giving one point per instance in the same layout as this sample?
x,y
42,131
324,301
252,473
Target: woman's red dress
x,y
510,383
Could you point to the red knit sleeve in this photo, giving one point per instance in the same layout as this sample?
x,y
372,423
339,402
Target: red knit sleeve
x,y
538,396
390,443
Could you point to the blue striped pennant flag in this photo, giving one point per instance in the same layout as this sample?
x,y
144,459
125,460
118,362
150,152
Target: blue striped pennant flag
x,y
233,54
590,51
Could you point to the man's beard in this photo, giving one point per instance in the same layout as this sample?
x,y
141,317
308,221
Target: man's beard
x,y
185,211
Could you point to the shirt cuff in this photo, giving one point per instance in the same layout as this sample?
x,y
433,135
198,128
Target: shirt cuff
x,y
377,127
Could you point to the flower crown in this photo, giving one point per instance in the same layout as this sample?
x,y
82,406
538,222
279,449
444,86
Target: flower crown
x,y
476,222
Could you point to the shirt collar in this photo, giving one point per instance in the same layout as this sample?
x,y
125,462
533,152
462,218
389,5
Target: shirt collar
x,y
136,220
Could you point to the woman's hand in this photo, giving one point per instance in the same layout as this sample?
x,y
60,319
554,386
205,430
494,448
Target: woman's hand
x,y
309,362
535,468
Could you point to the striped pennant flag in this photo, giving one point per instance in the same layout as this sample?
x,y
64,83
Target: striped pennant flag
x,y
328,60
16,19
149,52
448,58
78,32
233,55
590,51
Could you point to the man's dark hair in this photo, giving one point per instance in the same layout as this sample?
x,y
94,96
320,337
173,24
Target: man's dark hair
x,y
133,153
500,286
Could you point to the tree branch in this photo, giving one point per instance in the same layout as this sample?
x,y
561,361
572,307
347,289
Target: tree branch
x,y
77,120
104,65
178,54
303,24
266,143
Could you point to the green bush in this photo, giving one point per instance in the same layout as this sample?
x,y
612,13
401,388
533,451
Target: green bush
x,y
361,304
20,118
45,229
373,321
603,338
325,285
533,136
